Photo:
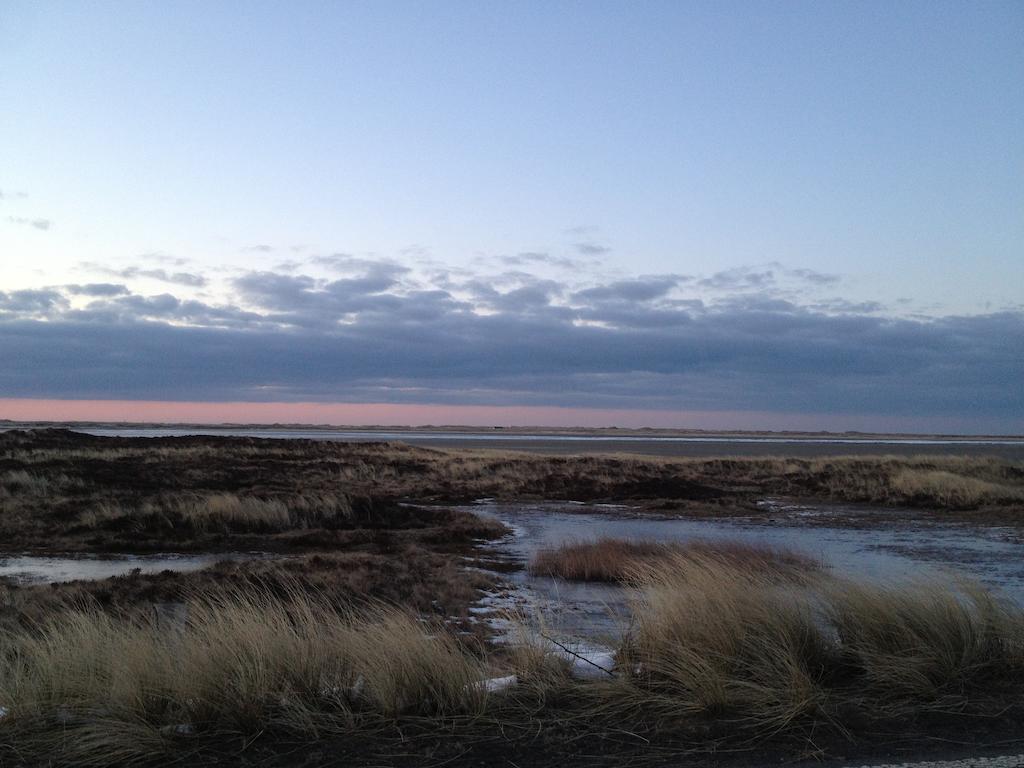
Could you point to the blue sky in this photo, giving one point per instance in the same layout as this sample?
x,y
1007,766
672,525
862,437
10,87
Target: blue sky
x,y
813,168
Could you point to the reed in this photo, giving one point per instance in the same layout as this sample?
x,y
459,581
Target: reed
x,y
718,639
619,560
84,684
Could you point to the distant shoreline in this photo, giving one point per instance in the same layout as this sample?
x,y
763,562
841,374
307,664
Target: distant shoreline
x,y
608,432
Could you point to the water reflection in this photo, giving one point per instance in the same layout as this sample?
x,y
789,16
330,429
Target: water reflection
x,y
44,569
889,550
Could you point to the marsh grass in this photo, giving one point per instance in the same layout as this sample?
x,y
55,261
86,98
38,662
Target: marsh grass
x,y
950,489
223,511
66,486
718,639
399,470
926,642
722,640
714,644
85,683
23,483
621,560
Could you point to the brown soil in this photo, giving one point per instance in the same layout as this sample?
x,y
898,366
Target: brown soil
x,y
559,735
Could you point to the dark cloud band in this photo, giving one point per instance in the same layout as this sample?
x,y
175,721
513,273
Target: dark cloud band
x,y
378,335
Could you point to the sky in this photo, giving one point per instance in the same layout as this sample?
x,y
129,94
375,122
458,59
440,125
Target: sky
x,y
689,214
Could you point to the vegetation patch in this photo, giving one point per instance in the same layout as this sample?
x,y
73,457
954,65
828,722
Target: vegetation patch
x,y
63,490
720,656
623,560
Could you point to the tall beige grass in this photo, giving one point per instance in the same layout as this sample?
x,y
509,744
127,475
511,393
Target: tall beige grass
x,y
951,489
715,639
196,513
925,642
620,560
22,482
85,685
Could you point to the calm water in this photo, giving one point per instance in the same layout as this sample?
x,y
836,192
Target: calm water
x,y
45,569
889,551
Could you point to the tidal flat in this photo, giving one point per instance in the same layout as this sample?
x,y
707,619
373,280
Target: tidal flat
x,y
237,600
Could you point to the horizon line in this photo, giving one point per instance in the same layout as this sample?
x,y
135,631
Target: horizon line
x,y
436,415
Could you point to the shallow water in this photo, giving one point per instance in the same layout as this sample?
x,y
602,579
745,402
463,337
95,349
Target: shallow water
x,y
889,550
47,569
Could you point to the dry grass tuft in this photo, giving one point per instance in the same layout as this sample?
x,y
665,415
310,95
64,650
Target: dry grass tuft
x,y
924,642
950,489
716,639
84,685
622,560
222,511
719,640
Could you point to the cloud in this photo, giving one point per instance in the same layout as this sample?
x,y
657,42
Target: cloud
x,y
849,307
582,229
588,248
178,278
660,341
133,309
311,302
532,257
32,302
817,278
347,263
8,195
754,359
164,258
739,278
43,224
258,249
188,279
96,289
638,289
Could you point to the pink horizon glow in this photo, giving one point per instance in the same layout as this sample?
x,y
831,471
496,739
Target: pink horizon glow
x,y
390,414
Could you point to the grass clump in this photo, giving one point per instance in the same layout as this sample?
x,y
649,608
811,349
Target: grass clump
x,y
953,490
222,511
717,639
713,638
84,685
921,642
718,653
620,560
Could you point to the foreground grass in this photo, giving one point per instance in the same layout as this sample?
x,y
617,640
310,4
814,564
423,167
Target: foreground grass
x,y
623,560
95,689
719,653
720,639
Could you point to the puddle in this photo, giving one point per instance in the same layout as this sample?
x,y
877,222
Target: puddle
x,y
47,569
889,550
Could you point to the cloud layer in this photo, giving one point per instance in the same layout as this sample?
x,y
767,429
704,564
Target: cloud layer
x,y
342,328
